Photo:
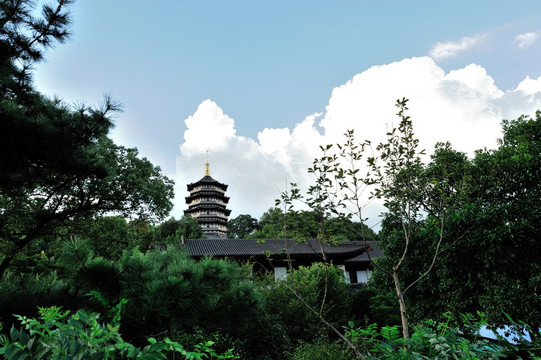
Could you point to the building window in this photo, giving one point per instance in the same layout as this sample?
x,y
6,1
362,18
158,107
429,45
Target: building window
x,y
280,273
346,273
363,275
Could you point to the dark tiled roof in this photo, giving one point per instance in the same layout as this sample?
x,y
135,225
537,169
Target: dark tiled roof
x,y
246,248
375,252
207,180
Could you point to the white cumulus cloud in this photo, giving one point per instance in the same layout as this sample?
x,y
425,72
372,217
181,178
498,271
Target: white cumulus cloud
x,y
442,50
208,129
525,40
530,86
463,107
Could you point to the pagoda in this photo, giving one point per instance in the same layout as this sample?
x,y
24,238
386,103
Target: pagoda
x,y
207,203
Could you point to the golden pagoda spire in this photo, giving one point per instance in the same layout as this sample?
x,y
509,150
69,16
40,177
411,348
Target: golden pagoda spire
x,y
207,171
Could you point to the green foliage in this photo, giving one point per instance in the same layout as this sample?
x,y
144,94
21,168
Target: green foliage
x,y
272,225
431,340
322,288
19,293
168,228
491,234
109,236
189,228
344,229
58,164
58,334
24,36
172,231
166,289
506,238
320,349
396,172
372,306
302,225
168,293
221,342
241,227
439,340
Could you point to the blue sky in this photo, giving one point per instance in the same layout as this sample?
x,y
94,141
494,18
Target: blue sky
x,y
269,67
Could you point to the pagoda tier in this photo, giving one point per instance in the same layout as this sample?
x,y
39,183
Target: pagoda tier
x,y
207,195
207,203
205,210
207,182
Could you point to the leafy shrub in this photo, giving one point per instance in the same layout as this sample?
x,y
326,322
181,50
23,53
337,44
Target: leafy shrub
x,y
322,287
20,293
371,305
321,349
59,335
167,289
431,340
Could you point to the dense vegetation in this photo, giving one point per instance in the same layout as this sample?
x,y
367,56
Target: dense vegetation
x,y
279,224
80,220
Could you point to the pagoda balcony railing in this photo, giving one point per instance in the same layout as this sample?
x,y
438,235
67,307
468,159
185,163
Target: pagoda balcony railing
x,y
201,201
207,199
214,228
207,188
211,215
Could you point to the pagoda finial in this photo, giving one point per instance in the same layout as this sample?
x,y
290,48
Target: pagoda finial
x,y
207,171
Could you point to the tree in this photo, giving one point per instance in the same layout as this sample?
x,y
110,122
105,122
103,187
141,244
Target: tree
x,y
241,226
168,228
23,39
189,228
410,192
114,180
271,225
110,236
492,236
344,229
507,237
325,198
278,224
320,292
171,231
167,290
496,262
58,164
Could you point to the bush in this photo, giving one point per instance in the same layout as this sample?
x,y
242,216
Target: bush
x,y
167,289
430,340
59,335
321,349
322,287
370,306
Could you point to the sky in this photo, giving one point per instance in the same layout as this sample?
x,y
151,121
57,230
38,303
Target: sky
x,y
259,85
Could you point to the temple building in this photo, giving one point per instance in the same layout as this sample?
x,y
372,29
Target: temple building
x,y
207,203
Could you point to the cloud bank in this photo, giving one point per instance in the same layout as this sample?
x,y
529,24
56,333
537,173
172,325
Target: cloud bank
x,y
462,106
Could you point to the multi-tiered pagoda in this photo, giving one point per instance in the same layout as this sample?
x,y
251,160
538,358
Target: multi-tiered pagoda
x,y
207,203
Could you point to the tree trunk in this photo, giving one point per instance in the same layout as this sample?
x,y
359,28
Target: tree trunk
x,y
403,315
